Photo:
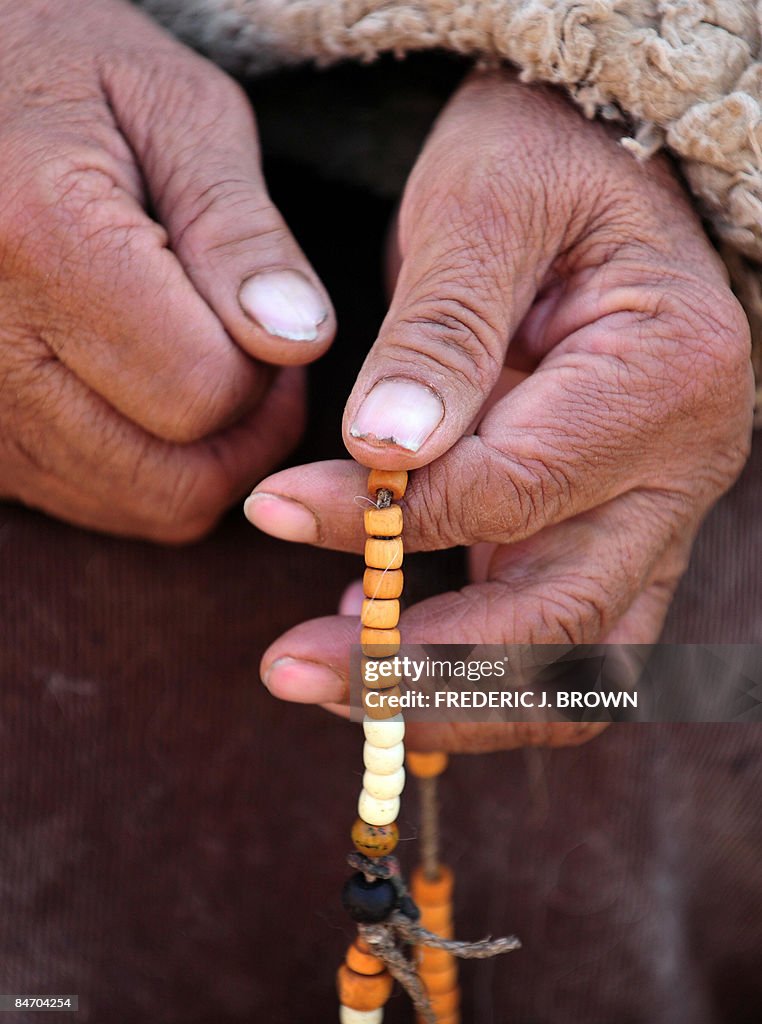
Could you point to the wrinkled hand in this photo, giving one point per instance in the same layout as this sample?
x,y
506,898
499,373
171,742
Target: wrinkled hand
x,y
144,275
524,224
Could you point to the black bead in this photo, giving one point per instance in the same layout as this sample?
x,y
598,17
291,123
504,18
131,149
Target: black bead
x,y
368,902
407,906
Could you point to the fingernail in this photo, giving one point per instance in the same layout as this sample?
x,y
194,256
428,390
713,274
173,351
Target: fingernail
x,y
398,412
284,303
281,517
304,681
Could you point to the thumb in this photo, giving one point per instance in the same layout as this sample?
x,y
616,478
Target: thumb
x,y
194,134
474,248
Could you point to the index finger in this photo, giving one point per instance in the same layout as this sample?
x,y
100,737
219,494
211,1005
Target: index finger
x,y
614,407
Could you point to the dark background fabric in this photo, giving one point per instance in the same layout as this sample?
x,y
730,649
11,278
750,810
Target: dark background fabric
x,y
172,839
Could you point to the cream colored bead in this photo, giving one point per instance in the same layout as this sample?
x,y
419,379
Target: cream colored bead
x,y
383,760
384,734
349,1016
384,787
375,811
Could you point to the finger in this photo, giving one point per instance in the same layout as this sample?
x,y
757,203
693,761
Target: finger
x,y
112,302
198,148
320,503
640,625
79,460
309,664
643,621
474,248
310,504
571,584
605,412
352,599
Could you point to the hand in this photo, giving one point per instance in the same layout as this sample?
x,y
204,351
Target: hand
x,y
528,235
133,396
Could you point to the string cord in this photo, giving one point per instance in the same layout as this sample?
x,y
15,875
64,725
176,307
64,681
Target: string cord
x,y
428,794
386,938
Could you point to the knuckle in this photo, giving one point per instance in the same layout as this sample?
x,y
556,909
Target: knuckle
x,y
439,521
223,93
176,496
65,183
703,334
64,212
179,82
543,488
179,534
190,502
575,611
226,218
212,209
449,339
687,376
713,319
205,402
39,202
717,376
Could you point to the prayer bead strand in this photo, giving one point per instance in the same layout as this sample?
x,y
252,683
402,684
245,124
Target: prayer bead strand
x,y
364,985
376,896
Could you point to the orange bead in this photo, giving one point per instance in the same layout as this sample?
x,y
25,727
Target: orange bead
x,y
383,554
377,583
380,614
380,643
437,919
362,945
445,1002
363,991
448,1018
434,892
375,840
431,960
440,981
363,963
383,522
394,480
379,708
380,673
427,765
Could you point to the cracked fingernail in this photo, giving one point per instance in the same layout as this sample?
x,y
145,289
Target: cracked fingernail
x,y
399,412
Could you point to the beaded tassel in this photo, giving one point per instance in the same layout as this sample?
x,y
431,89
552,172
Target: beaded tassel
x,y
376,896
364,984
